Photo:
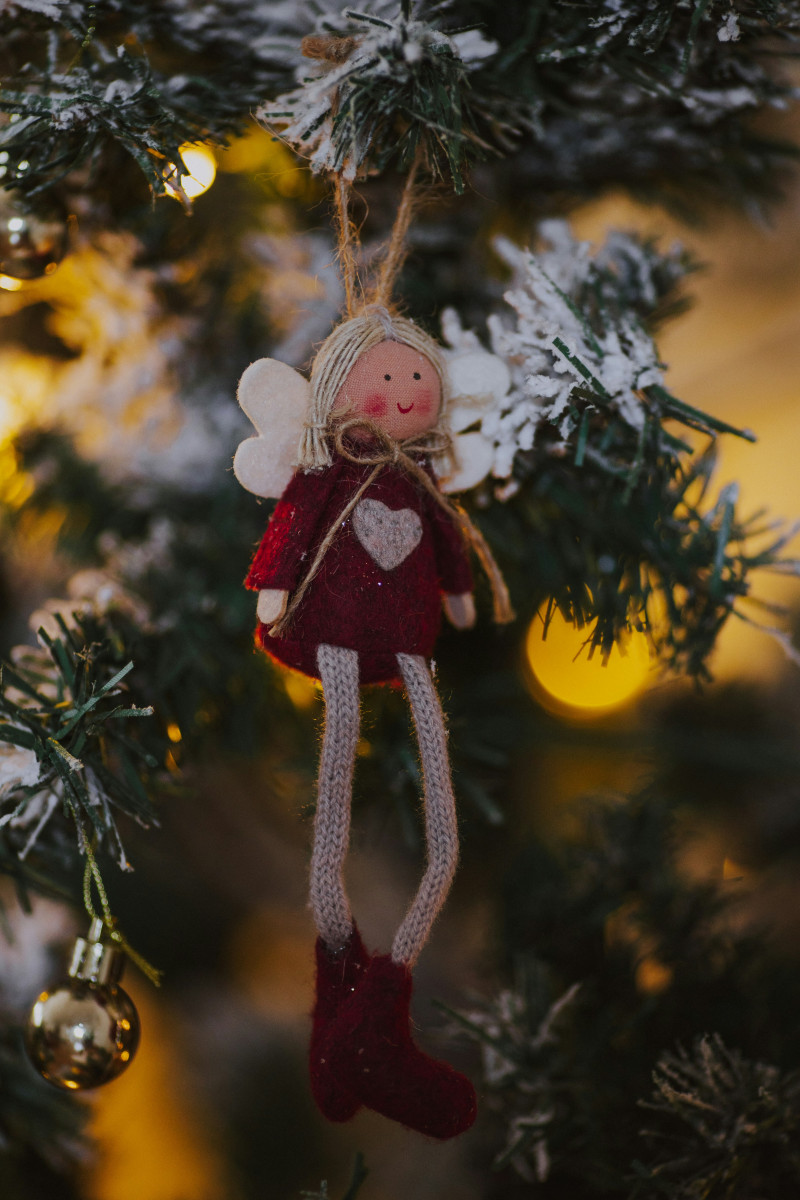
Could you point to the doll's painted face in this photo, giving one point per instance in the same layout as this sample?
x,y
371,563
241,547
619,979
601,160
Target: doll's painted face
x,y
394,386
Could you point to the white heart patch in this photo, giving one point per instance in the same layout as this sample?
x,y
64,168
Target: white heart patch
x,y
387,534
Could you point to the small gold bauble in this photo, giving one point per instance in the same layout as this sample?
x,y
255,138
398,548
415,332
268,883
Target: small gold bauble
x,y
82,1035
85,1032
31,245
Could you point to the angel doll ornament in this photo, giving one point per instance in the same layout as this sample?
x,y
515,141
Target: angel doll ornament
x,y
361,555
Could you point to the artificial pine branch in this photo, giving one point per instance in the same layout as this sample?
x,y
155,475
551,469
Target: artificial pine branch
x,y
394,90
604,511
658,97
612,948
80,80
662,98
64,720
525,1064
722,1127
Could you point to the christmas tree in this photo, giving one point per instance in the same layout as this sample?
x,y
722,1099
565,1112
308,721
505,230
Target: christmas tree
x,y
189,187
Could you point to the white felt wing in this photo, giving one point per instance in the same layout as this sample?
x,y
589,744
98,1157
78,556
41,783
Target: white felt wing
x,y
475,456
478,382
275,398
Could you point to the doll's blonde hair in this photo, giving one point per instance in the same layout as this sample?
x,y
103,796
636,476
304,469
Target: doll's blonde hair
x,y
336,358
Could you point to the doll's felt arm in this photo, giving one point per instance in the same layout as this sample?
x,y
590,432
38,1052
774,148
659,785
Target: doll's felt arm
x,y
272,604
282,557
460,610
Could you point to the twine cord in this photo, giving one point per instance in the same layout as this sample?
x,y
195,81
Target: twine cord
x,y
347,240
91,875
397,248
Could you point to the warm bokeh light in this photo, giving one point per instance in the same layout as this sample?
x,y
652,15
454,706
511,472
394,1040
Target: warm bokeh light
x,y
301,690
155,1140
15,485
734,870
270,965
7,417
568,681
202,168
652,976
9,284
271,165
24,382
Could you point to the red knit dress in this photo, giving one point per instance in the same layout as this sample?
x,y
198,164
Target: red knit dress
x,y
379,587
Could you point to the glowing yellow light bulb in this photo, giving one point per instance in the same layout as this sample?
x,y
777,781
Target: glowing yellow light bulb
x,y
202,168
568,682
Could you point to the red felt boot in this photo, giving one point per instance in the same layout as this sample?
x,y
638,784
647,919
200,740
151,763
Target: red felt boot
x,y
373,1056
338,974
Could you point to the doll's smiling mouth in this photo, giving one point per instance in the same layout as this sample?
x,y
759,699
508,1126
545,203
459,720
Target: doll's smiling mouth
x,y
405,410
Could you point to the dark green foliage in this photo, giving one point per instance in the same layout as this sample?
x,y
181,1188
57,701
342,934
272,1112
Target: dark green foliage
x,y
624,558
402,91
360,1173
36,1120
56,134
613,520
722,1127
65,704
175,602
656,97
529,1070
75,97
614,951
82,79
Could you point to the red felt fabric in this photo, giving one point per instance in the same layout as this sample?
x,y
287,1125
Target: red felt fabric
x,y
338,974
352,602
373,1056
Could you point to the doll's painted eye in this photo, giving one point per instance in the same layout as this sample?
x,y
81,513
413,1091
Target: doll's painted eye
x,y
417,375
387,377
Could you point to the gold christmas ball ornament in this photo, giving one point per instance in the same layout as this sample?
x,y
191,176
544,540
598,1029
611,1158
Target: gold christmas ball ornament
x,y
85,1032
31,245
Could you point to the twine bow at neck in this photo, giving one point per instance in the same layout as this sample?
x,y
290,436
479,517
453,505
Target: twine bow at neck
x,y
382,451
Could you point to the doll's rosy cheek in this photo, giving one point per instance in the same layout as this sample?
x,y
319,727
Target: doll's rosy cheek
x,y
423,400
374,405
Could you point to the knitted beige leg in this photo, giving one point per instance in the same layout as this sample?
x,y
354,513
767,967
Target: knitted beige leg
x,y
440,811
338,670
